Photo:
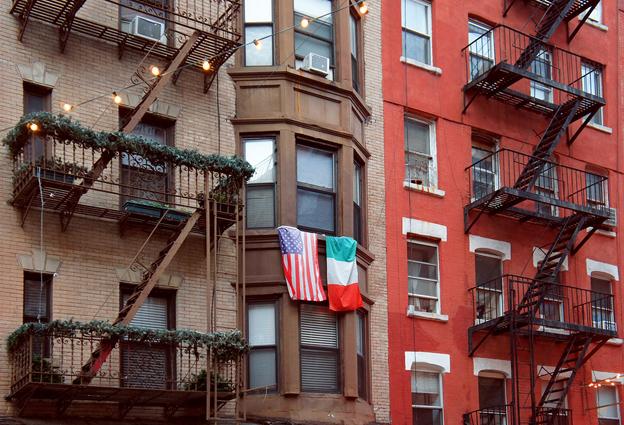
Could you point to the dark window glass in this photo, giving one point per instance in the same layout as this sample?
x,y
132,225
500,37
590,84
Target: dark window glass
x,y
260,153
258,17
358,221
362,354
36,99
316,189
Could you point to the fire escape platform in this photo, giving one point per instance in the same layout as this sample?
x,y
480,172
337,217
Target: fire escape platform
x,y
577,8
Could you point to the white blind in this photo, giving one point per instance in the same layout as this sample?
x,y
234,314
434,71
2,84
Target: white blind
x,y
425,383
261,319
152,314
607,396
319,371
318,327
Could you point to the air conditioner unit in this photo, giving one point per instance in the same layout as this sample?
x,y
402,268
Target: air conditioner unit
x,y
612,220
147,28
316,63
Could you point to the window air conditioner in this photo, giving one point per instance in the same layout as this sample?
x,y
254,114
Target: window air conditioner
x,y
147,28
317,64
612,220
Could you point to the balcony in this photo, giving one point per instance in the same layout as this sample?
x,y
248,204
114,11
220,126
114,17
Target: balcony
x,y
521,186
503,415
147,369
69,169
555,310
524,72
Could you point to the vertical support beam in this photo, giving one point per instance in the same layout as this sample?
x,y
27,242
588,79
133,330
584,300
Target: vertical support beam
x,y
349,355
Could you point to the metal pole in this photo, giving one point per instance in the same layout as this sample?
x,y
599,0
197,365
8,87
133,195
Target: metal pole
x,y
208,287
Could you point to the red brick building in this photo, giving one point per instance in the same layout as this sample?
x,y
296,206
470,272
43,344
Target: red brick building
x,y
503,175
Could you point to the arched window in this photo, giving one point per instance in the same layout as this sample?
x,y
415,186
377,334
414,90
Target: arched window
x,y
492,398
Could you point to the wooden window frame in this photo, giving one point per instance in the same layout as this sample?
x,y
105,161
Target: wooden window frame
x,y
273,137
333,66
259,24
275,302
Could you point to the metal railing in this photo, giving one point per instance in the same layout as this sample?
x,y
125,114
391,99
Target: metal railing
x,y
562,307
550,66
557,185
57,357
504,415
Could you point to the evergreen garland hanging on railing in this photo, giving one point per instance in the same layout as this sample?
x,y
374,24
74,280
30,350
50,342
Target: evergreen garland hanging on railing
x,y
66,130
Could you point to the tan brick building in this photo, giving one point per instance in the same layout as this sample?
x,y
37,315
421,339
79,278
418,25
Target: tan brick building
x,y
61,266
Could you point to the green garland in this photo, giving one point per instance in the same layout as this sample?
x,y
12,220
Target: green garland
x,y
64,129
228,345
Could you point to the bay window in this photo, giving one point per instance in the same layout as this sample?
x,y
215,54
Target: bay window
x,y
260,153
258,22
318,36
320,352
316,189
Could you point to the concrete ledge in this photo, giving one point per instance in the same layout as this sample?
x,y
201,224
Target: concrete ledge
x,y
433,69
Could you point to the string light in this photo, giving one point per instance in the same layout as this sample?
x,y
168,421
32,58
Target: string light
x,y
33,126
206,65
363,8
67,107
258,44
305,22
116,98
155,71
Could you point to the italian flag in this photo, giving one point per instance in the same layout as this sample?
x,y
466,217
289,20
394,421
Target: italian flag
x,y
342,274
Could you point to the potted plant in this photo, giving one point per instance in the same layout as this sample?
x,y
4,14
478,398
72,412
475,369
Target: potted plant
x,y
198,382
153,209
43,371
53,169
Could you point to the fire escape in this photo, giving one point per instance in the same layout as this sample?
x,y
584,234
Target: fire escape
x,y
71,179
527,72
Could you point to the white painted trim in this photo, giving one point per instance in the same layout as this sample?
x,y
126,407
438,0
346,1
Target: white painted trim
x,y
429,190
615,341
599,267
39,261
433,69
600,127
501,248
539,254
428,316
544,372
421,360
598,375
482,364
424,228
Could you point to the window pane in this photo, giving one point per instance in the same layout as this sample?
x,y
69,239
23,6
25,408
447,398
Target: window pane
x,y
607,396
153,313
488,271
305,44
259,56
422,287
36,296
417,137
261,323
423,253
260,206
416,16
357,184
491,392
258,11
318,326
600,285
353,27
314,8
315,167
262,367
35,102
426,388
416,47
427,416
319,371
260,153
315,210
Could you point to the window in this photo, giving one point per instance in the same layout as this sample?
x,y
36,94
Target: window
x,y
420,167
592,83
149,365
547,184
423,276
608,397
595,15
140,178
481,47
484,171
427,398
318,36
358,222
362,354
258,24
36,99
316,189
416,18
488,271
492,399
148,22
602,304
320,362
542,66
262,336
552,400
260,153
552,308
597,192
38,308
354,26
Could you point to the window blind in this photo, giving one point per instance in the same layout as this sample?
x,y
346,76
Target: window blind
x,y
153,314
319,327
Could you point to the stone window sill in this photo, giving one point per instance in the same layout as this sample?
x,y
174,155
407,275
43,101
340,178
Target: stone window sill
x,y
615,341
424,189
600,127
428,316
596,24
607,233
433,69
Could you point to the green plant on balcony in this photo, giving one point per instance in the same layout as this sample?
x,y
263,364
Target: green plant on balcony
x,y
43,371
198,382
53,168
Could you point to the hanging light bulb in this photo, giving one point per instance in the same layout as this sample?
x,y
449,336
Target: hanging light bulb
x,y
155,71
305,22
67,107
206,65
116,98
258,44
33,126
363,8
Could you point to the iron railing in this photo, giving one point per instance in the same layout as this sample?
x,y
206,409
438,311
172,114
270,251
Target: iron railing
x,y
552,68
556,186
57,357
503,415
562,306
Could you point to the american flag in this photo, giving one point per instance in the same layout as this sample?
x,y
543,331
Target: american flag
x,y
300,263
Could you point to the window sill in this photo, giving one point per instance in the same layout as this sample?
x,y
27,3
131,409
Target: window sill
x,y
433,69
428,316
600,127
607,233
424,189
596,24
615,341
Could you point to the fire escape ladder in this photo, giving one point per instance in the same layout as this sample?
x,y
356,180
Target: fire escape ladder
x,y
550,139
151,275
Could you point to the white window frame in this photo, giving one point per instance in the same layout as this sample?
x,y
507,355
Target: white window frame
x,y
612,310
404,28
501,301
605,191
438,308
495,164
535,86
433,154
441,385
541,190
492,58
617,401
598,118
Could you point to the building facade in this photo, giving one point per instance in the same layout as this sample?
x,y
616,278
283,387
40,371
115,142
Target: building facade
x,y
88,227
503,181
